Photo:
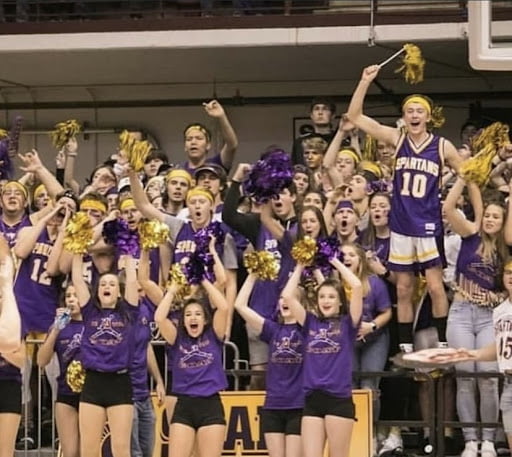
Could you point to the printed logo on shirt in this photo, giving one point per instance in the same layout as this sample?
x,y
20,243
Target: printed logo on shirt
x,y
286,349
107,335
195,356
322,342
71,346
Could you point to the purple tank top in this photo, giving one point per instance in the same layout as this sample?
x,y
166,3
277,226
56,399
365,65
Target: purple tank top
x,y
328,355
197,368
37,293
67,348
284,369
154,264
473,267
108,340
10,232
416,203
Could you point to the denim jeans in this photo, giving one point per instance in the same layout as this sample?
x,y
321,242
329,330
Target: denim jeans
x,y
470,326
371,356
143,429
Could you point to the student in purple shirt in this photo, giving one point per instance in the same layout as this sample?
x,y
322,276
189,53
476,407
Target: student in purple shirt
x,y
198,373
106,355
64,339
330,336
198,141
482,254
284,399
372,345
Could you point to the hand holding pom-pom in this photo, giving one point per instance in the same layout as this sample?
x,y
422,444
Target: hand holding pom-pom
x,y
78,236
263,264
304,251
75,376
152,234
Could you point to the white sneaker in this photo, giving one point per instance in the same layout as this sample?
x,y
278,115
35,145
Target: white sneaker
x,y
470,450
487,449
391,443
406,348
442,345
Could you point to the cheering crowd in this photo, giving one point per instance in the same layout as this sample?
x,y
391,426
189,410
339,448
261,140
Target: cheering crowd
x,y
323,262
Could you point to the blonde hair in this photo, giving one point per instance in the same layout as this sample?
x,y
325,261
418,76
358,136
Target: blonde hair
x,y
316,143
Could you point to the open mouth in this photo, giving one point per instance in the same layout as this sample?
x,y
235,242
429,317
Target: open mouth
x,y
197,214
278,205
415,123
194,326
344,223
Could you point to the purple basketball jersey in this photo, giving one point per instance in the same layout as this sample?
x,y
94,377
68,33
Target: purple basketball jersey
x,y
10,232
416,202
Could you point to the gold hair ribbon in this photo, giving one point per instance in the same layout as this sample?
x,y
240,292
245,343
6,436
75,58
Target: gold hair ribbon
x,y
199,191
93,204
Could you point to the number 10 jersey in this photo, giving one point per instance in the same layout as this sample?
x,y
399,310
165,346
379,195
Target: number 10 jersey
x,y
416,202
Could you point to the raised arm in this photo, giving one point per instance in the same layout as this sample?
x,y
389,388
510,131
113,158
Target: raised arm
x,y
220,304
167,328
356,290
455,218
141,199
71,152
289,294
227,153
272,225
331,155
131,290
10,322
32,164
27,237
355,110
81,287
47,349
251,317
150,288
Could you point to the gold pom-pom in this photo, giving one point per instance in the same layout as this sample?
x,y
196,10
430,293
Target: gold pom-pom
x,y
303,251
413,64
153,233
370,149
78,234
489,141
437,118
263,264
3,134
136,151
177,276
64,131
75,376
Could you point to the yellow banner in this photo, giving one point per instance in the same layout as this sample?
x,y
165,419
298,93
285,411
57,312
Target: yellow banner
x,y
243,432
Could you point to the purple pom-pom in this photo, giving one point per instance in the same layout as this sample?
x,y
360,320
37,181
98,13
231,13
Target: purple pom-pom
x,y
118,234
378,186
269,176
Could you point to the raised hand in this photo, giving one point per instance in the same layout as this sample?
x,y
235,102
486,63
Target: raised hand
x,y
370,73
31,162
214,109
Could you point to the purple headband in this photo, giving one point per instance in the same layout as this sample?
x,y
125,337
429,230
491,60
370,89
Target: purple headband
x,y
344,204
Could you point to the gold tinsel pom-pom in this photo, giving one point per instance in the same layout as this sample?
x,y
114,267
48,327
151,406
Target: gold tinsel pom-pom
x,y
78,234
136,151
64,131
3,134
413,64
369,149
303,251
177,276
263,264
75,376
152,234
489,141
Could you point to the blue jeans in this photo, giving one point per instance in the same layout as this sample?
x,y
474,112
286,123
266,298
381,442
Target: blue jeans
x,y
143,429
372,356
470,326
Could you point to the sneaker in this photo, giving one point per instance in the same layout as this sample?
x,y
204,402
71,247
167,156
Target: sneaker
x,y
442,345
487,449
470,450
391,443
406,348
25,443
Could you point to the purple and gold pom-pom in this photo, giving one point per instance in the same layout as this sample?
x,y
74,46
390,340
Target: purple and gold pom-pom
x,y
263,264
269,176
304,250
153,233
64,131
78,233
75,376
118,234
177,276
379,186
